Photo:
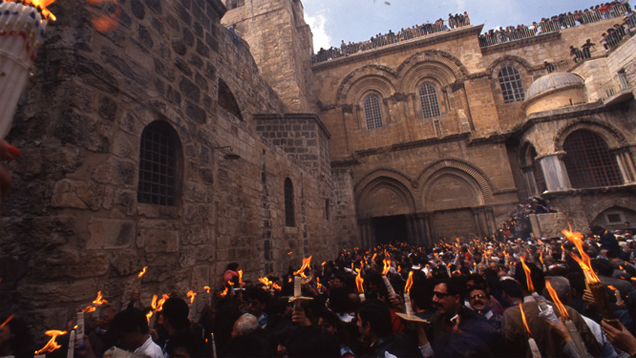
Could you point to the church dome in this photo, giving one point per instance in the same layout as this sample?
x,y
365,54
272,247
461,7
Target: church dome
x,y
553,82
553,91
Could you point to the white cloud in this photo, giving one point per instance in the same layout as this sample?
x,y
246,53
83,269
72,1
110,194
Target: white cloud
x,y
317,25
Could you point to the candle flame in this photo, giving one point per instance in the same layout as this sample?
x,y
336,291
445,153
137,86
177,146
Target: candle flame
x,y
7,321
557,301
523,318
100,300
541,258
191,295
207,289
265,281
409,283
40,4
276,286
89,309
359,281
149,315
323,263
527,271
612,287
586,264
318,284
224,293
289,253
240,273
306,265
387,266
157,305
143,272
52,344
374,256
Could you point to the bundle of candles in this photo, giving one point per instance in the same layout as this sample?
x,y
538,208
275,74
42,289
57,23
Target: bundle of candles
x,y
22,29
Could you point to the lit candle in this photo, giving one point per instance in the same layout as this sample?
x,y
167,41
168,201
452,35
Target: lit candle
x,y
213,346
407,303
388,285
80,329
576,338
297,286
71,345
534,349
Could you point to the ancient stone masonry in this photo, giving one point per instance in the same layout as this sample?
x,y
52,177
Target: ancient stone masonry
x,y
77,222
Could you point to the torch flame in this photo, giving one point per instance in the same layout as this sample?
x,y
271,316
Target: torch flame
x,y
52,344
100,300
265,281
191,295
40,4
240,273
557,301
527,271
590,276
586,264
89,309
306,263
359,281
523,318
207,289
143,272
387,266
7,321
409,283
157,305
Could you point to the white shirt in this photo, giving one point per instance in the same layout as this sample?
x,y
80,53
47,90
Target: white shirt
x,y
150,348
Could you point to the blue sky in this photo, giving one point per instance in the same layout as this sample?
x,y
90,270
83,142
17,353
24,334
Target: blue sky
x,y
357,20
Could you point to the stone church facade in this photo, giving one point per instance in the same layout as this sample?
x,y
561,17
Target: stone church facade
x,y
173,142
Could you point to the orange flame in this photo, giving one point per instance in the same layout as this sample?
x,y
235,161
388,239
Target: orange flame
x,y
409,283
153,304
527,271
586,264
276,286
207,289
224,293
99,300
7,321
52,344
318,284
387,266
240,273
611,287
289,253
541,258
41,4
374,256
301,272
523,318
265,281
89,309
143,272
323,263
157,305
191,295
148,316
557,301
359,281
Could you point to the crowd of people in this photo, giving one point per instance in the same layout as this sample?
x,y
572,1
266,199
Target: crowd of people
x,y
556,23
379,40
479,298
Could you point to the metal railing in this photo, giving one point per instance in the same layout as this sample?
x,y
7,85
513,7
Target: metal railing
x,y
554,24
614,86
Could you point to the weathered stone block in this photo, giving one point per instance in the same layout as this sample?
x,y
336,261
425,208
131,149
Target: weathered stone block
x,y
196,113
138,9
187,257
76,194
126,263
110,234
160,240
115,171
196,235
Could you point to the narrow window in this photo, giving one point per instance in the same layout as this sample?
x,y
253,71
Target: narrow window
x,y
372,111
511,84
290,220
588,161
158,165
428,98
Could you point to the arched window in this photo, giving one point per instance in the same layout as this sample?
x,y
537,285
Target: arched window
x,y
372,111
511,84
290,219
588,161
158,165
430,104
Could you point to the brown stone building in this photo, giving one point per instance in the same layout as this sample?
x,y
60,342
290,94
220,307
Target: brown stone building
x,y
174,141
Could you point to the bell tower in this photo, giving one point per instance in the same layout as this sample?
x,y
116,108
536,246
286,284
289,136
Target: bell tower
x,y
281,43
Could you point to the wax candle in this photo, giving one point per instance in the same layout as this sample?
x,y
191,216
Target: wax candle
x,y
388,285
534,349
407,304
80,329
71,345
297,286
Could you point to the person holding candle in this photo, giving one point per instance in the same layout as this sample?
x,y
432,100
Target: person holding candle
x,y
132,329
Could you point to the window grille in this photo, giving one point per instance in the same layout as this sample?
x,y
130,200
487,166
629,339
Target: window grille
x,y
430,104
372,111
511,84
589,162
158,165
290,220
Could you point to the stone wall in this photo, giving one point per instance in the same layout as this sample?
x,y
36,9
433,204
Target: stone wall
x,y
72,224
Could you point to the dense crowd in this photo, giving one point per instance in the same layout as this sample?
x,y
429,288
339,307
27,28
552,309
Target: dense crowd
x,y
455,299
379,40
556,23
496,36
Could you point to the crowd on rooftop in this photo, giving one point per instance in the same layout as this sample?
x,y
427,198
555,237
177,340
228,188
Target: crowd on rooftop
x,y
496,36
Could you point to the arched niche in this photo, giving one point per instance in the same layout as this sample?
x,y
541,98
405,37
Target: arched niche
x,y
451,188
384,196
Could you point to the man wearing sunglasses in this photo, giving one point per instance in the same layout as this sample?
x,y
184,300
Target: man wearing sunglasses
x,y
479,301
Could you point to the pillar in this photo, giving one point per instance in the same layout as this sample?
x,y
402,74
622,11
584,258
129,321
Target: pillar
x,y
556,176
530,181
